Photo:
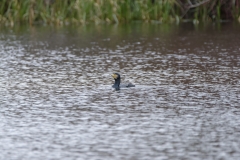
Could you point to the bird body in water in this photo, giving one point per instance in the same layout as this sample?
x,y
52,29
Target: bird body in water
x,y
117,85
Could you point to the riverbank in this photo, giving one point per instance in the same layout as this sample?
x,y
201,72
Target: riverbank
x,y
55,12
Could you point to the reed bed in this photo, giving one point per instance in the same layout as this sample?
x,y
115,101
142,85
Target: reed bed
x,y
64,12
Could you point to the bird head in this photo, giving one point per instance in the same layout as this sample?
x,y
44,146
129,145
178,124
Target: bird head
x,y
116,76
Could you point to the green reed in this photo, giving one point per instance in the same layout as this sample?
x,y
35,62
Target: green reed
x,y
63,12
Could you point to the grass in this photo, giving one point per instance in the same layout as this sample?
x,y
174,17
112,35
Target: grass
x,y
64,12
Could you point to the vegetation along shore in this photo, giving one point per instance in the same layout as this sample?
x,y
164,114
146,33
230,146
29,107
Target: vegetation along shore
x,y
64,12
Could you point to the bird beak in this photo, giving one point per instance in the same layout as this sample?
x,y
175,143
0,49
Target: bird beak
x,y
114,76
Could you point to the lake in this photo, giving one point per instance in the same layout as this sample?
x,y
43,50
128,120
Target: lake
x,y
56,99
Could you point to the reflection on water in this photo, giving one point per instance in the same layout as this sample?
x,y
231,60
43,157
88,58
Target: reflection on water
x,y
57,101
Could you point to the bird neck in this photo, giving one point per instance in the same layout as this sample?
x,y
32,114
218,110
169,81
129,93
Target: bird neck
x,y
117,83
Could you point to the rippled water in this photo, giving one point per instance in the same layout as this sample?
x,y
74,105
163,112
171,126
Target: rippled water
x,y
57,101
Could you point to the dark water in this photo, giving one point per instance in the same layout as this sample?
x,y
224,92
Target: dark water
x,y
56,100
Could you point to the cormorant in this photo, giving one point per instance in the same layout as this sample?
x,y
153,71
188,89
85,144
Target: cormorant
x,y
117,85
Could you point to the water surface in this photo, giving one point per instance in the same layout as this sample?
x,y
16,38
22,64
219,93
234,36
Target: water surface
x,y
57,101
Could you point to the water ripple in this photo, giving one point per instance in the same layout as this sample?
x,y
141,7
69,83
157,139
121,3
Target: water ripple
x,y
57,101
